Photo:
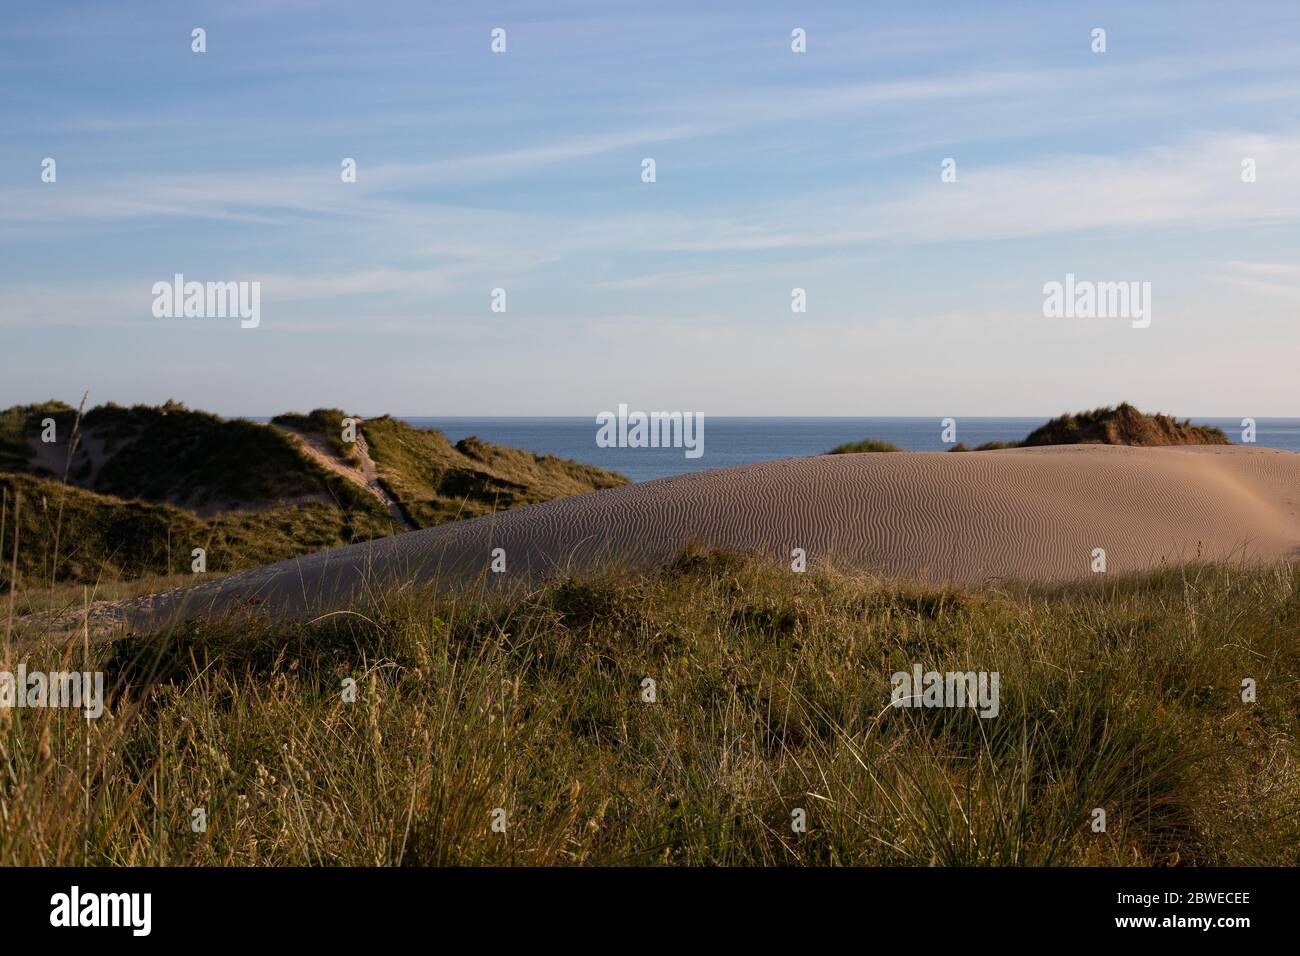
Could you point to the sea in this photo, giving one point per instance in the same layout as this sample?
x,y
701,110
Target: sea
x,y
732,441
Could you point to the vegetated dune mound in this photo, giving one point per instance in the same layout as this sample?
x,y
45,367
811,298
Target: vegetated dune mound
x,y
1033,513
1122,425
147,485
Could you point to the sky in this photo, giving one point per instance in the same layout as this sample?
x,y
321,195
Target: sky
x,y
775,170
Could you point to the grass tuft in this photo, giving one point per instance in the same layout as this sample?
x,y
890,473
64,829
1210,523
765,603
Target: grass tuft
x,y
866,445
771,696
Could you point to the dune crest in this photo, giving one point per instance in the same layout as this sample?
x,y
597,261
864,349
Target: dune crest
x,y
1032,513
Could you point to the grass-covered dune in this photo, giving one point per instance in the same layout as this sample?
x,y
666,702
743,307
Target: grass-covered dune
x,y
771,694
436,481
102,538
143,486
167,454
1122,424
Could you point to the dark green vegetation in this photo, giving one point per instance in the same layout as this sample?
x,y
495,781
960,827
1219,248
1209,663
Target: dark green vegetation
x,y
325,423
104,538
147,485
435,481
21,422
171,454
771,694
1120,425
987,446
867,444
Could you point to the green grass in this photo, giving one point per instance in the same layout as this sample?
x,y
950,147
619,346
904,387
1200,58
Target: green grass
x,y
103,538
159,454
867,444
172,479
324,422
175,455
435,481
20,424
1123,424
1118,425
987,446
772,696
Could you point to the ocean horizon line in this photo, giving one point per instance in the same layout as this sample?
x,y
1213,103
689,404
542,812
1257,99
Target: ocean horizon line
x,y
734,440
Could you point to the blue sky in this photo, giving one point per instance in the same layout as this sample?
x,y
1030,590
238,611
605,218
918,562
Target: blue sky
x,y
775,170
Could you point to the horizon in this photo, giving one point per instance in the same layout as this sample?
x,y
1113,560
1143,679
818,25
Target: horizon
x,y
775,171
470,416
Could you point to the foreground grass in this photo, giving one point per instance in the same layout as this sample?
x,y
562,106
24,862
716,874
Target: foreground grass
x,y
771,696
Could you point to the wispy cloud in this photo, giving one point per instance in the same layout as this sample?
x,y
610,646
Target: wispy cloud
x,y
522,171
1272,279
1195,183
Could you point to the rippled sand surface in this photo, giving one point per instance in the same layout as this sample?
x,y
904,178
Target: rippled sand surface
x,y
968,517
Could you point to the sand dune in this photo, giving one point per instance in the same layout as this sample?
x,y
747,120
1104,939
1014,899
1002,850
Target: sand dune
x,y
1034,513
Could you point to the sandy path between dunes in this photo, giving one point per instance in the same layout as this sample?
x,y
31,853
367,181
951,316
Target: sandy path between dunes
x,y
363,474
967,517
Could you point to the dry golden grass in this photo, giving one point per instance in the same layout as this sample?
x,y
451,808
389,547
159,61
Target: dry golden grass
x,y
772,692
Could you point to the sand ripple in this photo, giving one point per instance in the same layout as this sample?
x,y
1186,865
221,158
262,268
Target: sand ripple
x,y
970,517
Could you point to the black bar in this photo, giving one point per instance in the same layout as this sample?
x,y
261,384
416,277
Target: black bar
x,y
331,906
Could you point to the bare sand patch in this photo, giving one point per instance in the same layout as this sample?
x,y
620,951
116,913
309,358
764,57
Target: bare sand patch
x,y
361,473
1024,514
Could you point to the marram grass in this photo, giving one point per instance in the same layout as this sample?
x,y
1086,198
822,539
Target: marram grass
x,y
771,696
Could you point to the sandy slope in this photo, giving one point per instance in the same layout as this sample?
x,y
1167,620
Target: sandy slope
x,y
1025,513
363,473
